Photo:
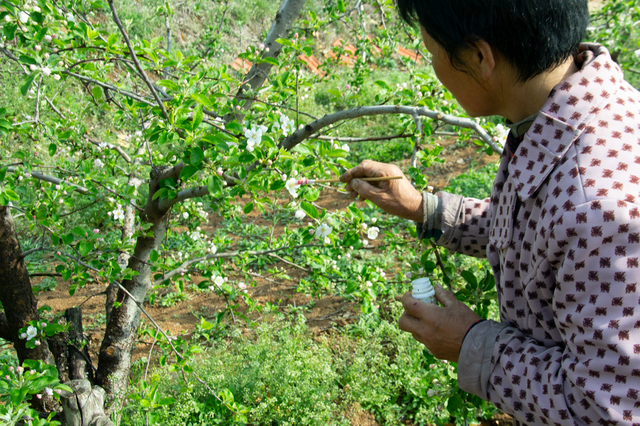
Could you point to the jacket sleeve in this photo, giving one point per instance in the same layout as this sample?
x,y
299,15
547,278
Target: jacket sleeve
x,y
594,376
465,224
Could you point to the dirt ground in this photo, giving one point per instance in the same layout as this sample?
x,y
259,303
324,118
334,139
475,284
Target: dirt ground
x,y
324,315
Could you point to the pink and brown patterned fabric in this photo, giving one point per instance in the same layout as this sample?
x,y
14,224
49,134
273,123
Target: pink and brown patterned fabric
x,y
566,261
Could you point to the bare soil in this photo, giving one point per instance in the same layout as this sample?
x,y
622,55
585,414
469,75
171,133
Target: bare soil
x,y
322,316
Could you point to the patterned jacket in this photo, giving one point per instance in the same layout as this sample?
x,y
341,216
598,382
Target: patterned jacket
x,y
562,234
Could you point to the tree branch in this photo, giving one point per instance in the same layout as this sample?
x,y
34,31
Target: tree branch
x,y
372,138
116,148
41,176
315,126
185,265
282,24
110,87
141,72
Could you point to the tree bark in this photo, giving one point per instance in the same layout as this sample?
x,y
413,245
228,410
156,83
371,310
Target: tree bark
x,y
16,295
282,24
79,362
20,305
114,362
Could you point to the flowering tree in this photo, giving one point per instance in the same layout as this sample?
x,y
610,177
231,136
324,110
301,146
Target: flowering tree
x,y
148,138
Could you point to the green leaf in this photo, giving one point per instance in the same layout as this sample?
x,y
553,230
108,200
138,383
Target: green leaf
x,y
270,60
159,193
3,173
17,395
52,149
284,41
214,185
382,84
277,185
27,60
24,89
340,5
169,85
153,256
470,278
166,401
187,172
97,92
11,195
202,99
197,117
112,39
309,209
312,194
248,208
85,248
197,155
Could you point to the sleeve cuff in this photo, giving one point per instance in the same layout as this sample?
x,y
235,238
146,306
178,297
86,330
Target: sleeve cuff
x,y
431,222
474,362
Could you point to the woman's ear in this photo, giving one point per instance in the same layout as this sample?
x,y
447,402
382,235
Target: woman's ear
x,y
483,59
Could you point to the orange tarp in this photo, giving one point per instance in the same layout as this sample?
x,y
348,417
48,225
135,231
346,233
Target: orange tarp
x,y
241,65
312,63
411,54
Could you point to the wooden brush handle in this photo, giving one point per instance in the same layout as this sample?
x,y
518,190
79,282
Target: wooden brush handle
x,y
371,179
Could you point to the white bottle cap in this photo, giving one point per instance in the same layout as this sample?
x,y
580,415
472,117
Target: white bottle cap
x,y
423,290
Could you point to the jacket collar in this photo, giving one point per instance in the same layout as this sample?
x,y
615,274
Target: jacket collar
x,y
571,106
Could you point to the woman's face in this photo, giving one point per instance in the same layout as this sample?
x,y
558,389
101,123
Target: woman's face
x,y
463,85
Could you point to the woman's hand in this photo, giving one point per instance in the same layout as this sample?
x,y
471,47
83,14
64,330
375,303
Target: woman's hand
x,y
440,329
397,197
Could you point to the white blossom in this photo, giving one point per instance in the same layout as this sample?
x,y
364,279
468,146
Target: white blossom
x,y
286,125
46,71
56,77
185,215
501,134
31,332
195,235
118,213
373,232
212,249
300,214
292,185
345,147
323,230
23,16
97,163
48,38
218,281
254,136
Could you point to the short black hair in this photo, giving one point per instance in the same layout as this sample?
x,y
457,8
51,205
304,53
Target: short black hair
x,y
533,35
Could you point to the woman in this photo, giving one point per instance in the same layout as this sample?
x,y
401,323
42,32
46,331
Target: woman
x,y
562,227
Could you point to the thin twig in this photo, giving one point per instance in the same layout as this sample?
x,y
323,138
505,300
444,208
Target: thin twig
x,y
439,261
141,72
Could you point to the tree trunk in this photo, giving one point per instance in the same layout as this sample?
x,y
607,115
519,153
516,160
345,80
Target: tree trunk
x,y
19,303
114,362
257,75
79,362
16,295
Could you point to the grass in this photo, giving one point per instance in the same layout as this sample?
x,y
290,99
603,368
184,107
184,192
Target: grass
x,y
285,376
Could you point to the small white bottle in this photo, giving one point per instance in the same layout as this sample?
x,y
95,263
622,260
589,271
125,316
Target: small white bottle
x,y
424,291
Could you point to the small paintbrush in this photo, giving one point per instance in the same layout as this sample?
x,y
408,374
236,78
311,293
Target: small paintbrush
x,y
371,179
